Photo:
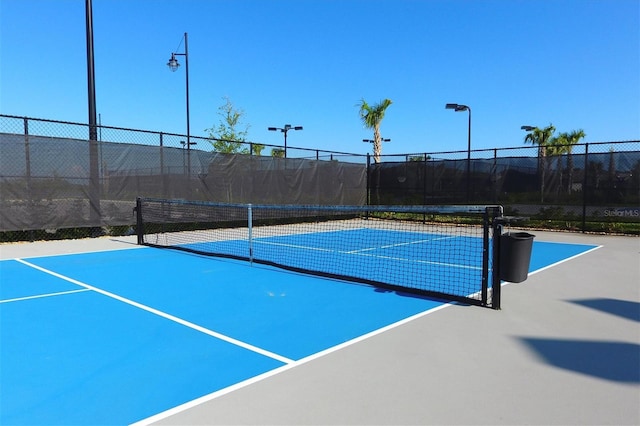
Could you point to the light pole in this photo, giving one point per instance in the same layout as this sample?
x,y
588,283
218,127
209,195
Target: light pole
x,y
173,65
95,213
187,144
458,108
284,130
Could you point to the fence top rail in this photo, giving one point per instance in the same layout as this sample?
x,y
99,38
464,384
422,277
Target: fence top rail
x,y
513,148
417,154
204,138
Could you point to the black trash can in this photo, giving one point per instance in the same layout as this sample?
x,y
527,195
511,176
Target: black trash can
x,y
515,256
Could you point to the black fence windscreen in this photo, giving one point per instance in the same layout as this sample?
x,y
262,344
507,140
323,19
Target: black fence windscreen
x,y
595,182
47,181
50,188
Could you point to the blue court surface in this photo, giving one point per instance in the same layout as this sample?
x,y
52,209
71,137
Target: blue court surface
x,y
116,337
446,263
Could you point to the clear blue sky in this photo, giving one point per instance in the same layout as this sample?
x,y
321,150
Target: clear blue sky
x,y
573,63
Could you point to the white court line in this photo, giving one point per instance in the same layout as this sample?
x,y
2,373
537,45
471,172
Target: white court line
x,y
561,261
360,253
60,293
217,394
294,246
399,244
426,262
164,315
263,376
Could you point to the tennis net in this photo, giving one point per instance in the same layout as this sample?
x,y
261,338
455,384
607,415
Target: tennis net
x,y
440,251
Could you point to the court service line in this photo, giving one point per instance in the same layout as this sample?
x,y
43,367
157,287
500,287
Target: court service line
x,y
408,243
426,262
165,315
360,252
271,243
38,296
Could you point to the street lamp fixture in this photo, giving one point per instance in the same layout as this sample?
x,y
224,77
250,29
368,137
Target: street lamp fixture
x,y
528,128
459,108
173,65
284,130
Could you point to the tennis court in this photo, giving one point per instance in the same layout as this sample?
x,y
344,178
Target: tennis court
x,y
104,331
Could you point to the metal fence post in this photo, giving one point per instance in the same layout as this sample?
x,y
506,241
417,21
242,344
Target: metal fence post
x,y
27,159
368,179
584,188
494,176
162,174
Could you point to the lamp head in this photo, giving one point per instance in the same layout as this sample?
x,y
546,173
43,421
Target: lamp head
x,y
173,63
457,107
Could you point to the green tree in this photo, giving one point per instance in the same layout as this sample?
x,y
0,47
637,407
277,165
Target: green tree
x,y
564,144
541,138
371,116
277,152
230,136
256,149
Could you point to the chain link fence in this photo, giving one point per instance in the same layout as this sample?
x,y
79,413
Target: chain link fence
x,y
56,181
587,187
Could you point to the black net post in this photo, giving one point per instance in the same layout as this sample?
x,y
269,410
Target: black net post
x,y
485,257
496,287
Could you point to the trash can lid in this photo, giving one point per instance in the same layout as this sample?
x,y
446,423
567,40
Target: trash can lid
x,y
519,235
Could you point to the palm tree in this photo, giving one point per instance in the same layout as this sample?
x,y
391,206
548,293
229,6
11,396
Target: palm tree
x,y
371,116
542,138
568,141
555,150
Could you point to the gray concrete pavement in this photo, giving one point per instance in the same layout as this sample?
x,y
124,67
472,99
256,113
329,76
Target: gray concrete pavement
x,y
565,349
